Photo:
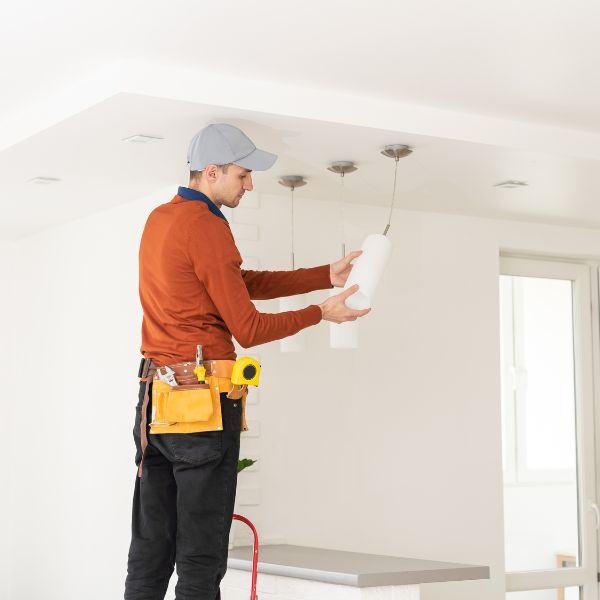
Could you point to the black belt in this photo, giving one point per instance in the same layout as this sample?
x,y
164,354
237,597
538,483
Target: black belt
x,y
145,365
145,372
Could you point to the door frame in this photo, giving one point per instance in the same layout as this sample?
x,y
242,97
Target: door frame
x,y
586,347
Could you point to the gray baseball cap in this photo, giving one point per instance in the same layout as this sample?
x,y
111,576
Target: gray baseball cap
x,y
221,144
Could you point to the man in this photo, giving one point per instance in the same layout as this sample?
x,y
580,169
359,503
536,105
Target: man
x,y
193,292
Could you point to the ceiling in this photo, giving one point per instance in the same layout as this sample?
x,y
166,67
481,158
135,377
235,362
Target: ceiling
x,y
483,92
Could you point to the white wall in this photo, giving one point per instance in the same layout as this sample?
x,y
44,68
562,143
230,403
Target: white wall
x,y
75,479
393,448
404,433
8,273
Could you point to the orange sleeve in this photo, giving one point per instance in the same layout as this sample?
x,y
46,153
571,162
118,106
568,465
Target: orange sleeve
x,y
216,262
265,285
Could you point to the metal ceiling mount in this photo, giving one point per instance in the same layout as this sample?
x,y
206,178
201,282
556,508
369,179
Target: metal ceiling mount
x,y
341,167
293,181
396,151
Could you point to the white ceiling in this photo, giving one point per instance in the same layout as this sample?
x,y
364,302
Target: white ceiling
x,y
535,60
484,91
98,170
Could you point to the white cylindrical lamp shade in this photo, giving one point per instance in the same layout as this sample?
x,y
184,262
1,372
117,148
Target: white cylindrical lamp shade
x,y
367,270
342,335
296,342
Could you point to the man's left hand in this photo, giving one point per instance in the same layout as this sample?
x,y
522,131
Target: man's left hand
x,y
339,271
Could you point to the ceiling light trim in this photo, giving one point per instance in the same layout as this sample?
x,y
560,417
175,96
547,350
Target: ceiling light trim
x,y
143,138
511,184
41,180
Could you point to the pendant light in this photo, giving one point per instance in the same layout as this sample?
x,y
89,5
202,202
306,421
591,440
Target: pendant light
x,y
296,342
376,248
342,335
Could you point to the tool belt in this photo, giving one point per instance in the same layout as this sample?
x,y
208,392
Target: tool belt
x,y
188,407
191,407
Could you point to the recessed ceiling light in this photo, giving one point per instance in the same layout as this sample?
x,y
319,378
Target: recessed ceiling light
x,y
142,138
511,183
43,180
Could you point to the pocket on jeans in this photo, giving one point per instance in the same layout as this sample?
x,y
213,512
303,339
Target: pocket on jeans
x,y
194,448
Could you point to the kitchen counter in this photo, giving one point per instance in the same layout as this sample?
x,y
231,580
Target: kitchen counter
x,y
338,572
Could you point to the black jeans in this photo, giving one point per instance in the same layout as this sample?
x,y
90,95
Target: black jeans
x,y
182,507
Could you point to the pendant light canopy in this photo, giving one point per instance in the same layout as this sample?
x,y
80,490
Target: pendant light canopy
x,y
341,167
293,181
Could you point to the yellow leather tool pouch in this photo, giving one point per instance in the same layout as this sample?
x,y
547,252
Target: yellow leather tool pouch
x,y
181,404
193,408
189,403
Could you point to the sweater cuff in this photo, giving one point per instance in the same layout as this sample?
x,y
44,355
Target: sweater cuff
x,y
322,277
313,315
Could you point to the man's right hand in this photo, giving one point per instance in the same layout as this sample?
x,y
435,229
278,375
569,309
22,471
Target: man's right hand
x,y
335,310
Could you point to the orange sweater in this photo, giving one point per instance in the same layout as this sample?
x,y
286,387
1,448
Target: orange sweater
x,y
193,290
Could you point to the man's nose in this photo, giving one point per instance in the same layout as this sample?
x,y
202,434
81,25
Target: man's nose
x,y
248,183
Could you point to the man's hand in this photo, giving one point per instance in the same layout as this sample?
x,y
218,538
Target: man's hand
x,y
339,271
335,310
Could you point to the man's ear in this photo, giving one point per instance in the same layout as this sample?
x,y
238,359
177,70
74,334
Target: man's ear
x,y
210,172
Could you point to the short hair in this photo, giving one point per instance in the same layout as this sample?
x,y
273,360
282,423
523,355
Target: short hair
x,y
197,175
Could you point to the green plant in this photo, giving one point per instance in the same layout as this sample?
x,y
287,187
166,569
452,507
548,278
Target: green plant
x,y
244,463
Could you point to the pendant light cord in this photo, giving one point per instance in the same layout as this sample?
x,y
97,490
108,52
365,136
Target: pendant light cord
x,y
342,213
292,225
387,227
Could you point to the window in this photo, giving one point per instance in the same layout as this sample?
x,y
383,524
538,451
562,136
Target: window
x,y
547,427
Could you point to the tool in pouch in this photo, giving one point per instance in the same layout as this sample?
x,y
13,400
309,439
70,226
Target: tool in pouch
x,y
188,400
199,371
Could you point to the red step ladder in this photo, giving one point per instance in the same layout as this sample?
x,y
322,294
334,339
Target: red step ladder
x,y
253,595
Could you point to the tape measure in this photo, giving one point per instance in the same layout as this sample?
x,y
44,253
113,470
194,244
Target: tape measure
x,y
246,371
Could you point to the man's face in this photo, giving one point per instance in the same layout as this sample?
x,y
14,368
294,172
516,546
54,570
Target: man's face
x,y
232,185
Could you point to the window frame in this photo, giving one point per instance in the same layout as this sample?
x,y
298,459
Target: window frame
x,y
586,347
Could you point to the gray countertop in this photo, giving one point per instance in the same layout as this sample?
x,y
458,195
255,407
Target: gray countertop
x,y
350,568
